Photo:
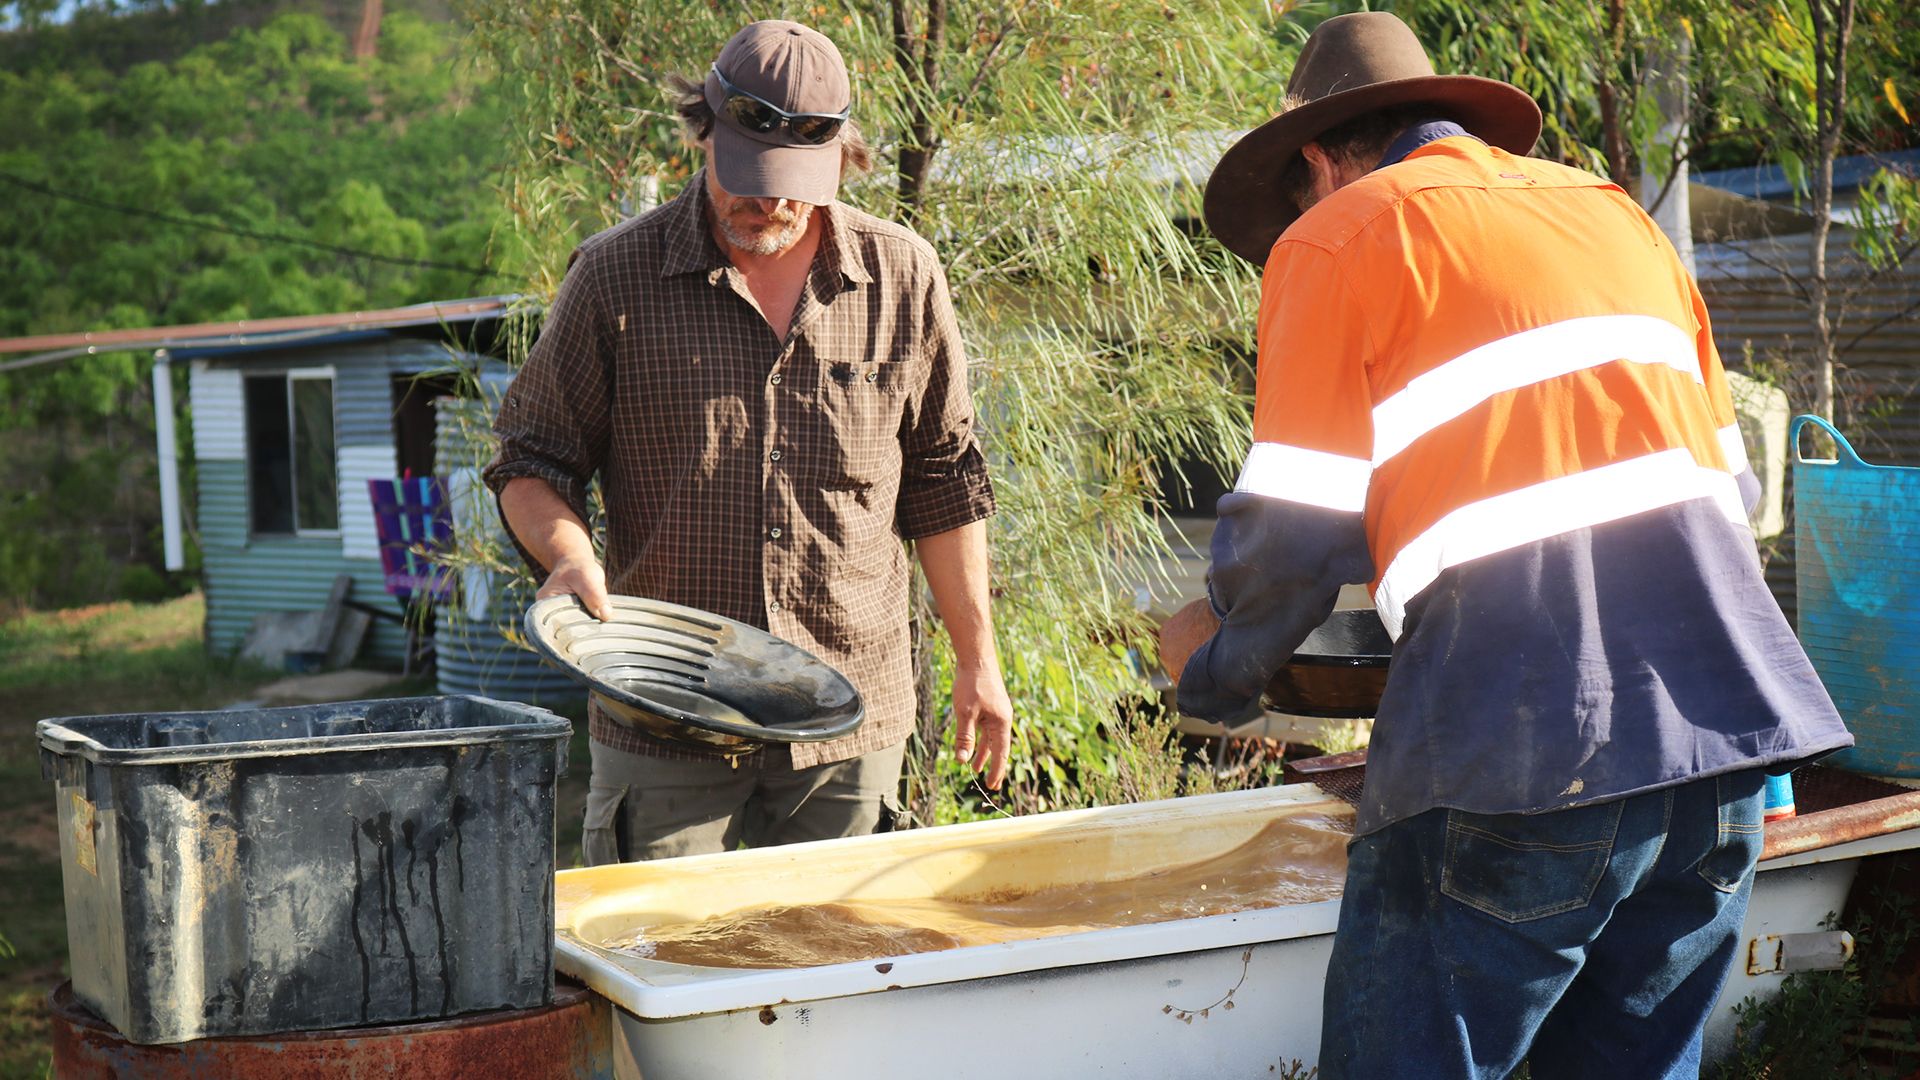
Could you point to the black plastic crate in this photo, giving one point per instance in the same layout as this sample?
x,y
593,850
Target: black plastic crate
x,y
251,871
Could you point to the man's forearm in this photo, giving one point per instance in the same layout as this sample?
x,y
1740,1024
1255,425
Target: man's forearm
x,y
544,523
955,563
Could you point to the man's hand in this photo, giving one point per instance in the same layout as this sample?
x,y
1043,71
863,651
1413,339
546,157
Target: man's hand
x,y
955,563
584,578
1183,634
555,536
982,721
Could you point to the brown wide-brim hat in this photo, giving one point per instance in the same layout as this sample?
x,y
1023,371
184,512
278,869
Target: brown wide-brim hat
x,y
792,67
1351,65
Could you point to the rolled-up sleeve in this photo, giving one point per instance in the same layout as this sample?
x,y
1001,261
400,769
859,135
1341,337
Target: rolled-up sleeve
x,y
943,481
554,421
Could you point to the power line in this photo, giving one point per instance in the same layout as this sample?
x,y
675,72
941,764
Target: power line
x,y
234,230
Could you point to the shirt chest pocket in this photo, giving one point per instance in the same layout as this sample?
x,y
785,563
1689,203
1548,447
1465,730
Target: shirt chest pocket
x,y
860,405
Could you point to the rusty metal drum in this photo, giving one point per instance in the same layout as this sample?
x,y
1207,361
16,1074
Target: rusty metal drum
x,y
567,1040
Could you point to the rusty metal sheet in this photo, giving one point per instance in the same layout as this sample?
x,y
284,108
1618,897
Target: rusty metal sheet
x,y
427,314
1307,767
1825,828
1835,806
568,1040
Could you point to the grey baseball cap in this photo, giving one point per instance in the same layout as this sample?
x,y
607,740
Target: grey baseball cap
x,y
796,70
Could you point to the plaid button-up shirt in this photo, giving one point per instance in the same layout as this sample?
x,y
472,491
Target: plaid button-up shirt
x,y
769,481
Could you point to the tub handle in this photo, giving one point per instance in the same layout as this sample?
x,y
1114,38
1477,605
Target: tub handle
x,y
1839,440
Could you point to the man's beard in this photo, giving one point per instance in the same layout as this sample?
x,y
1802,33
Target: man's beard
x,y
774,239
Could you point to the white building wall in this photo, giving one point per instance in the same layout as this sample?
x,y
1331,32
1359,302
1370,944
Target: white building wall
x,y
219,413
359,539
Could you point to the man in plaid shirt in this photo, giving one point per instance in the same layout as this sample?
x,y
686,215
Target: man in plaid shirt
x,y
771,389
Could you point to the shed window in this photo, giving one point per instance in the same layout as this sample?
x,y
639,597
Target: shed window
x,y
291,476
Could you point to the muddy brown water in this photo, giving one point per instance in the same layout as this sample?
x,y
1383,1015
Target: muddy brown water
x,y
1295,859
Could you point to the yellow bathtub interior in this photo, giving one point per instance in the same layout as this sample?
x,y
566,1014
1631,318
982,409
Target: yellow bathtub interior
x,y
961,885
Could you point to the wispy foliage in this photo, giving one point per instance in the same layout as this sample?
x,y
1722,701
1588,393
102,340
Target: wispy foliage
x,y
1051,152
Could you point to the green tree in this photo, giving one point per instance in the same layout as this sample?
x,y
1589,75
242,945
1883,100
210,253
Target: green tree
x,y
198,189
1770,84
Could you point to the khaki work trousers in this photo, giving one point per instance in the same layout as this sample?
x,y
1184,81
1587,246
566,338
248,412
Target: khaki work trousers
x,y
641,808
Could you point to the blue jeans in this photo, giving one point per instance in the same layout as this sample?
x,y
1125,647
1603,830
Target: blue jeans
x,y
1591,941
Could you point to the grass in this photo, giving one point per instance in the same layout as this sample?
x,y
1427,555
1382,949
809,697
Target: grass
x,y
110,658
106,658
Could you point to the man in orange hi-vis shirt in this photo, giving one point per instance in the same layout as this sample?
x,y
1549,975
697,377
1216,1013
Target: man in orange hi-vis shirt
x,y
1487,387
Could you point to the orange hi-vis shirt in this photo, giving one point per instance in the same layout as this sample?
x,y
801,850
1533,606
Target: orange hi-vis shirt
x,y
1475,377
1488,386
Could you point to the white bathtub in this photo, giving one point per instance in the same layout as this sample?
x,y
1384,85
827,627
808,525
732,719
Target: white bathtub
x,y
1234,995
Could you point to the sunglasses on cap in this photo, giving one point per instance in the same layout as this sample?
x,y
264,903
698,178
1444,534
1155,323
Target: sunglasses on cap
x,y
757,114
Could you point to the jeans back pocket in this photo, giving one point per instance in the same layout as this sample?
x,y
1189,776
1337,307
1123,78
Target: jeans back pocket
x,y
1742,830
1519,867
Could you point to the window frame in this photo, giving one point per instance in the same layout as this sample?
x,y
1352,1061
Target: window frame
x,y
288,377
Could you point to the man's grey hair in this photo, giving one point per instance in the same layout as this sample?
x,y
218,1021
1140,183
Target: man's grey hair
x,y
696,124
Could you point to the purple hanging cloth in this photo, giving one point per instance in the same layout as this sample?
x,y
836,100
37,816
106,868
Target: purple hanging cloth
x,y
414,520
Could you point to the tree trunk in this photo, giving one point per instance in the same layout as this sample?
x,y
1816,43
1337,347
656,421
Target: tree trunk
x,y
920,63
366,40
1663,162
1612,131
1832,32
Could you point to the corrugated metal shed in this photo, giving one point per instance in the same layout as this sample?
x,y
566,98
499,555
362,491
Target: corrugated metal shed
x,y
245,578
1761,316
476,645
246,573
1773,183
1762,321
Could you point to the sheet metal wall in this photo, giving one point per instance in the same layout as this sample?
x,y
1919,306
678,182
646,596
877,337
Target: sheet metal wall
x,y
247,575
1759,313
474,656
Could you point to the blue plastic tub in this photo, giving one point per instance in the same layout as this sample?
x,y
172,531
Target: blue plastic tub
x,y
1857,546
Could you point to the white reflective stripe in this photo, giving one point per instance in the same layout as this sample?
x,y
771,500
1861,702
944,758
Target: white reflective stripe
x,y
1523,359
1734,448
1313,477
1546,509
